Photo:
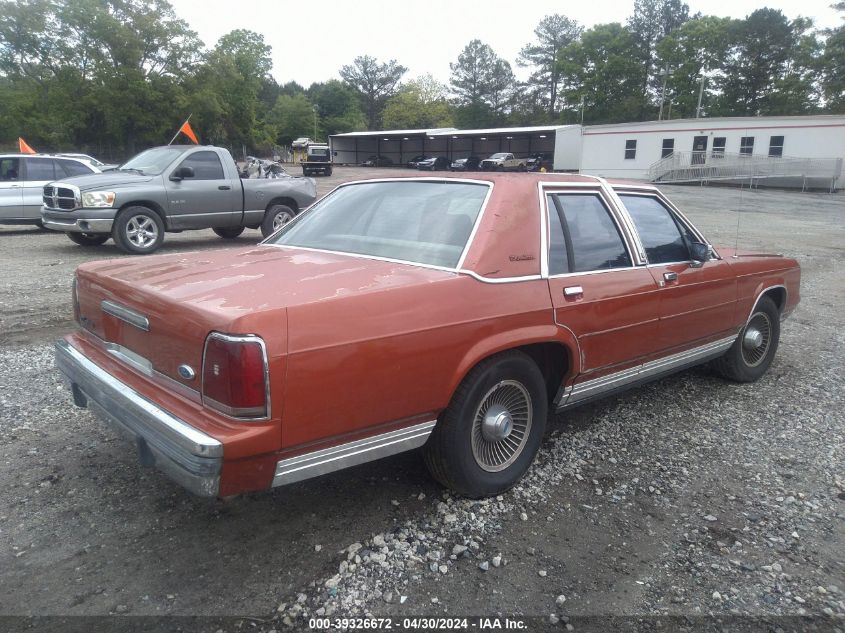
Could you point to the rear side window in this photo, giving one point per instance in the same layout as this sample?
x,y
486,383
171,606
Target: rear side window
x,y
206,166
664,238
9,169
72,168
588,234
40,169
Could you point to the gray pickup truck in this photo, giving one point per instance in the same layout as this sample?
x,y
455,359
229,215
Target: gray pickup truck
x,y
171,189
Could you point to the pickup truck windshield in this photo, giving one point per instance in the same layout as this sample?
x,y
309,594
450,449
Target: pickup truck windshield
x,y
153,161
418,222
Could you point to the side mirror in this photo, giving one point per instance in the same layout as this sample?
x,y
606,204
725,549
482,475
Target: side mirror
x,y
334,153
699,253
181,173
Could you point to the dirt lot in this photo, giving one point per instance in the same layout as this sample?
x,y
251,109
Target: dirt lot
x,y
688,497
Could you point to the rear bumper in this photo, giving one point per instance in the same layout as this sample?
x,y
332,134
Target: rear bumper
x,y
186,455
79,221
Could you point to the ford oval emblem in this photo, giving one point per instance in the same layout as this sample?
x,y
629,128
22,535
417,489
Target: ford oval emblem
x,y
186,371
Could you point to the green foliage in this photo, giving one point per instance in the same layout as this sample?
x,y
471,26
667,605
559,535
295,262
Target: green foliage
x,y
421,103
603,70
554,33
291,117
338,108
375,83
483,84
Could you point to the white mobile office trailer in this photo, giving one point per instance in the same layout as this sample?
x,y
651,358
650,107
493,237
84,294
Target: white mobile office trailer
x,y
629,150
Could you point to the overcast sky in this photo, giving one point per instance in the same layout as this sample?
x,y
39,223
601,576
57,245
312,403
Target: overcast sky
x,y
312,39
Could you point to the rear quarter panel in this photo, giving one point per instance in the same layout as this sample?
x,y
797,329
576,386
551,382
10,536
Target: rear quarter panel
x,y
757,273
367,360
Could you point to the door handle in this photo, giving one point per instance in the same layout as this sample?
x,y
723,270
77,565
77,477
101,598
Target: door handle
x,y
670,276
573,291
224,187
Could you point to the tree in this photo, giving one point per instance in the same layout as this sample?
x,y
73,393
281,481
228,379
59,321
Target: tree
x,y
832,66
290,118
603,70
375,82
553,34
338,108
762,62
421,103
238,68
95,69
651,21
482,83
698,47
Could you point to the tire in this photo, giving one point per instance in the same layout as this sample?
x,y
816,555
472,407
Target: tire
x,y
459,454
276,217
751,354
228,232
138,230
88,239
328,171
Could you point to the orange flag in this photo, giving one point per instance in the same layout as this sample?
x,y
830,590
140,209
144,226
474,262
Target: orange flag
x,y
24,147
187,131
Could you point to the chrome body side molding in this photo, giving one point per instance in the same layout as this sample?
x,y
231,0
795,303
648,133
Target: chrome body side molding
x,y
127,315
335,458
592,389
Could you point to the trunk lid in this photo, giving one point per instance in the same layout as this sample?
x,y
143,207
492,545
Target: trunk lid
x,y
237,291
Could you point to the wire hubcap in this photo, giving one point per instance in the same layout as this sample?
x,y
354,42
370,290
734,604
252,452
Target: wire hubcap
x,y
141,231
501,426
756,339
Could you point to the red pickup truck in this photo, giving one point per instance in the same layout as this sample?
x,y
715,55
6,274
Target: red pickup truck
x,y
445,313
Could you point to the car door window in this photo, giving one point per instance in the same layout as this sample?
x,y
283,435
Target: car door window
x,y
40,169
589,236
665,239
206,166
9,169
72,168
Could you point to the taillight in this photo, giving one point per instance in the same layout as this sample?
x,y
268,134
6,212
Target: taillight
x,y
234,376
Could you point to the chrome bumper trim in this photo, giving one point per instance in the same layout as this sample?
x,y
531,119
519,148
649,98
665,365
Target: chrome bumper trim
x,y
188,456
81,225
335,458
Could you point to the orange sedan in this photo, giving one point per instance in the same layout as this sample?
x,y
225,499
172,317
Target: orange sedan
x,y
445,313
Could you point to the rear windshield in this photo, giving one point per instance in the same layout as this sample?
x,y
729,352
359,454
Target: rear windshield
x,y
418,222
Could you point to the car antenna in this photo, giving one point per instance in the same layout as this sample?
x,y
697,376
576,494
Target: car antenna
x,y
739,209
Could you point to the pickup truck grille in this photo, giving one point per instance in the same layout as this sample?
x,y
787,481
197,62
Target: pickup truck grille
x,y
489,164
59,198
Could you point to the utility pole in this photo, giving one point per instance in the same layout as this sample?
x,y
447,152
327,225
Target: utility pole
x,y
582,110
700,93
666,72
315,122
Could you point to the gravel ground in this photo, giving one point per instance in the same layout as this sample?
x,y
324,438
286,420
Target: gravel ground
x,y
688,497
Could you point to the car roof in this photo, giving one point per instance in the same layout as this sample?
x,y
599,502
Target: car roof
x,y
40,155
521,177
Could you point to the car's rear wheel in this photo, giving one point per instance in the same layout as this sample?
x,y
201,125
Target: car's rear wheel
x,y
228,232
488,436
276,217
88,239
754,349
138,230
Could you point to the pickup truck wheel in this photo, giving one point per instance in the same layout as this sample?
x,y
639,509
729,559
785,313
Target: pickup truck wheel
x,y
489,434
228,232
328,171
138,230
88,239
276,217
754,349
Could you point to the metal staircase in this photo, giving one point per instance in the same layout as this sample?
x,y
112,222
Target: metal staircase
x,y
784,171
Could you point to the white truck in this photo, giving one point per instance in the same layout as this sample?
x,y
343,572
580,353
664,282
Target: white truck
x,y
504,161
